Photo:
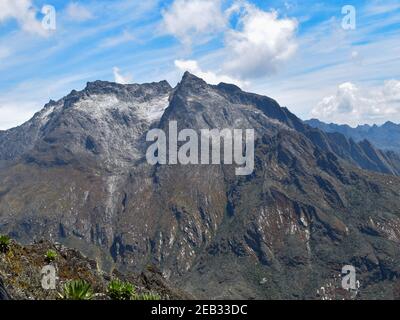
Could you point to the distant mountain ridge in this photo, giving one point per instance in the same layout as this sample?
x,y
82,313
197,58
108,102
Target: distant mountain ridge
x,y
385,137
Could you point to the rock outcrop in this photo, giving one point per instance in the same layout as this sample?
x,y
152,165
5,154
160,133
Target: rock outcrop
x,y
21,267
3,292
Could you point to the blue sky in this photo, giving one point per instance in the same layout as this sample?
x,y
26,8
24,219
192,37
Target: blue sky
x,y
294,51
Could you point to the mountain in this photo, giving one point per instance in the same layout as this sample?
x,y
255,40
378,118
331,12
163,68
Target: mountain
x,y
385,137
76,173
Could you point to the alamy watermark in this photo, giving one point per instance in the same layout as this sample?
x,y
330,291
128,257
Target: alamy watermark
x,y
349,279
349,21
197,150
49,277
346,280
49,21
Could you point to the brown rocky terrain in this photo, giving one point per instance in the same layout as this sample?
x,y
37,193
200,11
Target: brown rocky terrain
x,y
21,267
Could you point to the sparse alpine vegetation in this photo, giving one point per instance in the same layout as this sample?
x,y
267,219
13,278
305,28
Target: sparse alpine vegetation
x,y
51,256
148,296
4,243
21,269
119,290
77,290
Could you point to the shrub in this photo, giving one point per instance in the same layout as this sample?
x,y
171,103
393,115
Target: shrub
x,y
4,243
119,290
77,290
51,255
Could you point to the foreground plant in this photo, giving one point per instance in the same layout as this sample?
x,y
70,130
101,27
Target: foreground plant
x,y
4,243
119,290
148,296
77,290
51,256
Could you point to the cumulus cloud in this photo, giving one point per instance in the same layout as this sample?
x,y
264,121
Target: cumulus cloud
x,y
78,12
121,78
210,77
354,105
190,19
262,44
24,13
256,46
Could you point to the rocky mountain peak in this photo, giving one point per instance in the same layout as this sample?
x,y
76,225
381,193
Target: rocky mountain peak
x,y
190,77
390,125
128,92
191,83
229,88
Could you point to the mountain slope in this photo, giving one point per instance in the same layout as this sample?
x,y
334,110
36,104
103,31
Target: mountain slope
x,y
315,202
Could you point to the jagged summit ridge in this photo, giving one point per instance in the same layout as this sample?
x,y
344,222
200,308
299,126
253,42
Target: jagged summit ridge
x,y
100,109
109,120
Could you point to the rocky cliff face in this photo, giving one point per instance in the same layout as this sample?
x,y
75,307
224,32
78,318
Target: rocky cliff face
x,y
315,202
3,293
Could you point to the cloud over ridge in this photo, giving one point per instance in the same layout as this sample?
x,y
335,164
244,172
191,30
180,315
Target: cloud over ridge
x,y
352,104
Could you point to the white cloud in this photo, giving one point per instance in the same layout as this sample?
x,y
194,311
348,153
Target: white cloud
x,y
210,77
189,19
354,105
264,42
13,115
78,12
374,8
4,53
257,46
121,78
24,13
124,37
